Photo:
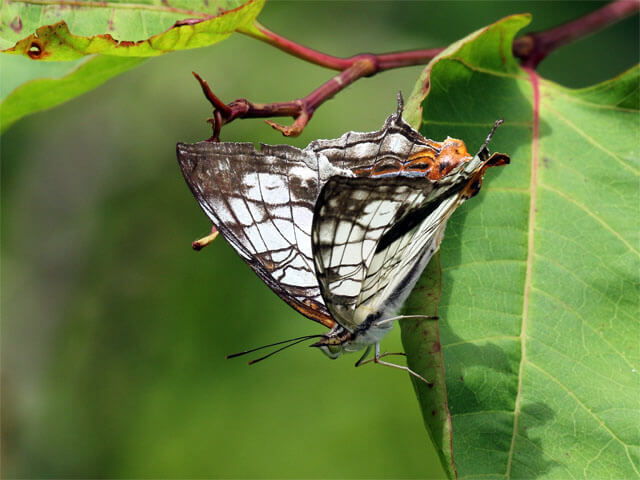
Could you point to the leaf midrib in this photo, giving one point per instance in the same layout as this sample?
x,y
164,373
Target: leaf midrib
x,y
533,79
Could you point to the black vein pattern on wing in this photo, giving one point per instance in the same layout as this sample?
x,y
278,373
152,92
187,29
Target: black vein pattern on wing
x,y
204,167
394,271
414,217
411,215
348,200
351,145
377,156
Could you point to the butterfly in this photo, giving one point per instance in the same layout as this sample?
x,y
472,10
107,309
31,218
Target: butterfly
x,y
342,229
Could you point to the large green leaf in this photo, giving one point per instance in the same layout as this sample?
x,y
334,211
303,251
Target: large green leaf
x,y
121,34
539,309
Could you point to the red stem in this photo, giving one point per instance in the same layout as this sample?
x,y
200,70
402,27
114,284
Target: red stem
x,y
534,47
384,61
531,49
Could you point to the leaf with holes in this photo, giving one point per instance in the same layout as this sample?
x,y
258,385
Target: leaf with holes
x,y
120,29
121,34
538,314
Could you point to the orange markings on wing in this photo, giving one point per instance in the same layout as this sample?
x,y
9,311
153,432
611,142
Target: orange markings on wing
x,y
421,162
473,187
434,161
310,310
438,161
453,153
386,167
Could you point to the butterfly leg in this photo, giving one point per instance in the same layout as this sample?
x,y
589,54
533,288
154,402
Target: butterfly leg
x,y
403,317
366,353
382,355
377,360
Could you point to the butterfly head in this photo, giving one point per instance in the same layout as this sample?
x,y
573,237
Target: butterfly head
x,y
340,340
332,344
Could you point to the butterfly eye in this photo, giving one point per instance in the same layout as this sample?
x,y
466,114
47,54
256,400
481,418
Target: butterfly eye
x,y
332,351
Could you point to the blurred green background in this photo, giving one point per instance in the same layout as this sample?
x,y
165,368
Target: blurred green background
x,y
114,332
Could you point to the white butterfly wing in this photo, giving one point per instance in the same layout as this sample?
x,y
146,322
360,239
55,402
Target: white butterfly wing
x,y
372,238
262,202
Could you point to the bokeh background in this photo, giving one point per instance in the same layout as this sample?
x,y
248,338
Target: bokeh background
x,y
114,332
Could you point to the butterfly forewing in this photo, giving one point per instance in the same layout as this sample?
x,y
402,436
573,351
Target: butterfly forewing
x,y
262,202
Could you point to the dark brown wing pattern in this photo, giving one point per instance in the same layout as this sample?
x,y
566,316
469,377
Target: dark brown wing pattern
x,y
262,203
373,237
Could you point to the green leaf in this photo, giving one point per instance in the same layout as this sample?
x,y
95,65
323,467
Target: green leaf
x,y
121,29
539,309
40,94
421,340
143,30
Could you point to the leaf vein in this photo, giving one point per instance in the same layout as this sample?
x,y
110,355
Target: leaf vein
x,y
571,98
480,412
586,409
482,262
485,70
592,215
584,322
124,6
602,294
592,141
535,132
481,339
545,453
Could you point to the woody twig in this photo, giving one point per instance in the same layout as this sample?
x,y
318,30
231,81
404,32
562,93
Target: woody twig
x,y
531,49
302,109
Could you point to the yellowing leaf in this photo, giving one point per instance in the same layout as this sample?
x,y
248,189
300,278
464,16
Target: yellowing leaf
x,y
122,29
142,30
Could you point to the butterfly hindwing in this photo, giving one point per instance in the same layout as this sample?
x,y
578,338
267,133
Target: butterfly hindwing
x,y
372,237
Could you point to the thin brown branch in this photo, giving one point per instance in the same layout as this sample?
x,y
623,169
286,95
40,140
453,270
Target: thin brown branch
x,y
532,48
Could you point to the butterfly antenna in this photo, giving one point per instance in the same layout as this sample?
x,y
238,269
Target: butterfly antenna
x,y
296,340
282,348
400,106
493,130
